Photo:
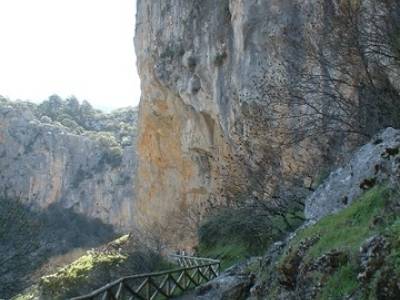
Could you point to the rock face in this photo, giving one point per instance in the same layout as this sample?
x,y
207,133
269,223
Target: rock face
x,y
214,127
349,250
87,165
376,162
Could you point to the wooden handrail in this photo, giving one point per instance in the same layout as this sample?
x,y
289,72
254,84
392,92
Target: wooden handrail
x,y
147,287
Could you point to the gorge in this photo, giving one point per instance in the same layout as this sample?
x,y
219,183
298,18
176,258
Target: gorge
x,y
265,137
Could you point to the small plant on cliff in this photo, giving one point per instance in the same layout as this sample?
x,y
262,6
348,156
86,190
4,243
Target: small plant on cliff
x,y
220,58
112,150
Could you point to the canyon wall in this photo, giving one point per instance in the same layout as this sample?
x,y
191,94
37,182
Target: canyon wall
x,y
70,156
219,122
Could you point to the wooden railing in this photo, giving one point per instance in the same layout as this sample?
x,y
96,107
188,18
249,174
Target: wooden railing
x,y
194,271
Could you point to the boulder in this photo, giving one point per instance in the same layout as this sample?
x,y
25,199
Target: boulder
x,y
374,163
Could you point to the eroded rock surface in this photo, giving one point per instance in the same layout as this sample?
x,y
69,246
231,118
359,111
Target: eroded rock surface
x,y
214,124
374,163
68,155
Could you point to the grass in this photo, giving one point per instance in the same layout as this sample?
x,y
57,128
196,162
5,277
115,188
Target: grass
x,y
229,254
393,232
99,267
342,283
233,234
347,229
78,272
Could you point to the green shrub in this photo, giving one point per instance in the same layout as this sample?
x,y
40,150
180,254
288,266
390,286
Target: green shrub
x,y
342,283
67,280
234,233
112,150
220,58
67,122
119,258
114,155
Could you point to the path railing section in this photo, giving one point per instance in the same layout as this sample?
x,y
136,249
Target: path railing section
x,y
193,272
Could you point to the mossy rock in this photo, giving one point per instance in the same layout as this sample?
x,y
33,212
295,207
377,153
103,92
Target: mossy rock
x,y
345,232
79,276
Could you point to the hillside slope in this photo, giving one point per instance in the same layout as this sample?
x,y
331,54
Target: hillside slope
x,y
67,184
346,250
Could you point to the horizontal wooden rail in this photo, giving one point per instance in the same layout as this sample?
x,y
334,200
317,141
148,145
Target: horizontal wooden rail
x,y
194,271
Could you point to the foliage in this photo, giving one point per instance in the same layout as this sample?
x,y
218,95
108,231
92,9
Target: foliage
x,y
234,233
229,254
18,239
347,229
112,131
78,273
119,258
28,239
220,58
342,283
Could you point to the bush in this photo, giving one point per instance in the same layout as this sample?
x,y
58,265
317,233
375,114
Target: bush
x,y
28,239
68,122
122,257
19,238
89,269
233,233
114,156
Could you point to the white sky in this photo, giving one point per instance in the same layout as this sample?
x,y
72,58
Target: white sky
x,y
69,47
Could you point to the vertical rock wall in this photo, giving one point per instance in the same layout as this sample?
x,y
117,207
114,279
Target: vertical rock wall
x,y
204,138
43,164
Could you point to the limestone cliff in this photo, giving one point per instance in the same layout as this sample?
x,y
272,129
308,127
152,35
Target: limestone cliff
x,y
221,118
350,246
66,154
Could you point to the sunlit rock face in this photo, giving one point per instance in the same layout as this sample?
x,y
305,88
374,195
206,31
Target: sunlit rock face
x,y
45,163
204,138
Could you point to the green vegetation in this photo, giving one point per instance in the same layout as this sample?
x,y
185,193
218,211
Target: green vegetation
x,y
78,273
229,254
346,231
234,234
19,233
29,239
30,295
121,257
220,58
111,147
118,127
342,283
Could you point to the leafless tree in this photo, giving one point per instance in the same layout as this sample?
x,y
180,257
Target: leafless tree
x,y
347,81
343,86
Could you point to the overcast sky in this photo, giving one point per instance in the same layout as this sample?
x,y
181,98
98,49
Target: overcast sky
x,y
69,47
